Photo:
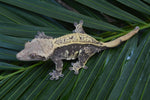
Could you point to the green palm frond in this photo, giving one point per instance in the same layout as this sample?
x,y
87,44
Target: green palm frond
x,y
119,73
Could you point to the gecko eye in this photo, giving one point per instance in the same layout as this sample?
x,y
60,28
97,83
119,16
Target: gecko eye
x,y
33,55
38,57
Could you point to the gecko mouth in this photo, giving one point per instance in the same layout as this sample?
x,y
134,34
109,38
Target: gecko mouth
x,y
23,58
30,57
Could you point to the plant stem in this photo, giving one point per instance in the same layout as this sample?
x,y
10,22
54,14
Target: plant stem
x,y
21,70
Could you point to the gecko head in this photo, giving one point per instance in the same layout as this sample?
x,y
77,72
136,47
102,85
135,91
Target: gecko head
x,y
37,49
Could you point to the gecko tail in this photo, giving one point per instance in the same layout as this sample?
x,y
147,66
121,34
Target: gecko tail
x,y
121,39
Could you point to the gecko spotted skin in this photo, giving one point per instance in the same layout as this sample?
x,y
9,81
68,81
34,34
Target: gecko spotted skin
x,y
77,45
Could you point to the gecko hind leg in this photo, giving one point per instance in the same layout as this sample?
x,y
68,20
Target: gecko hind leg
x,y
79,28
83,57
58,72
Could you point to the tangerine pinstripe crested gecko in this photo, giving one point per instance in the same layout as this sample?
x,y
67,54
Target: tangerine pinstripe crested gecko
x,y
71,46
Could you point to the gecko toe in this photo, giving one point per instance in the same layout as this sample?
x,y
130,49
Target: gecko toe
x,y
51,78
76,67
85,67
71,68
55,75
62,75
137,27
76,72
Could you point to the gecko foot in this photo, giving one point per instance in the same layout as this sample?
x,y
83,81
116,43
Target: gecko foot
x,y
76,67
85,67
55,75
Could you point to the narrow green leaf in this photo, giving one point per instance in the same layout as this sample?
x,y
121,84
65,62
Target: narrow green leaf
x,y
106,7
4,19
135,74
4,81
60,13
6,54
12,42
137,5
147,1
6,66
111,72
28,31
142,82
145,95
25,17
81,89
11,83
10,15
123,84
52,90
118,73
39,84
26,84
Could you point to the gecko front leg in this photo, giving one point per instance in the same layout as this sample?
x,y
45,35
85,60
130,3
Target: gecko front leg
x,y
58,72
